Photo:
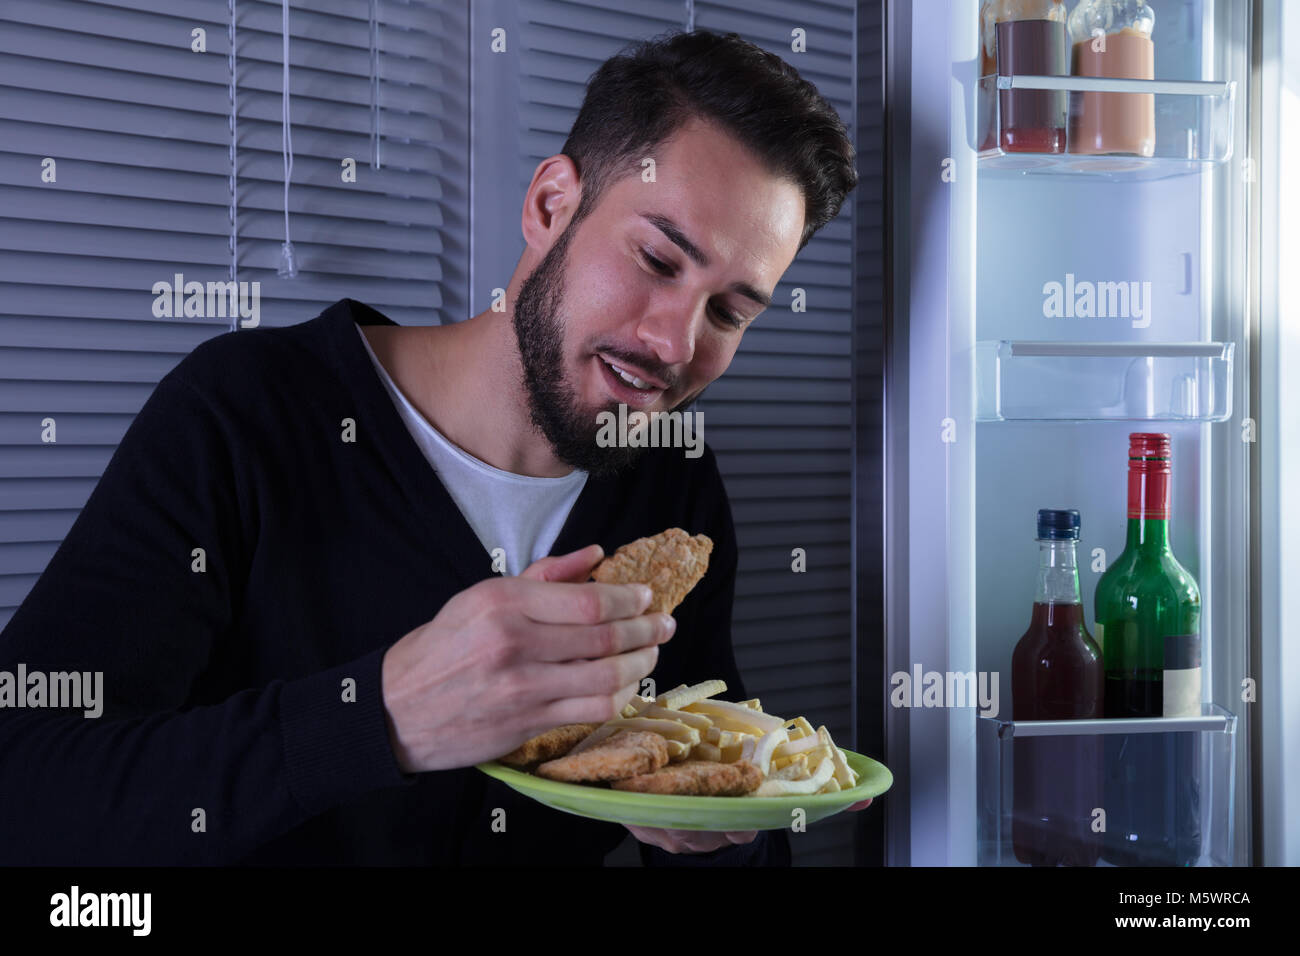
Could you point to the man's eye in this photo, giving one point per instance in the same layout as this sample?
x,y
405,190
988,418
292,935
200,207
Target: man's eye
x,y
664,269
730,319
661,267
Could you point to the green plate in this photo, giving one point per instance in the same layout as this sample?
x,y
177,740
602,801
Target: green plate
x,y
694,813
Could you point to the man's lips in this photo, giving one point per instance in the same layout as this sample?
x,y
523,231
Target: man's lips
x,y
635,371
625,392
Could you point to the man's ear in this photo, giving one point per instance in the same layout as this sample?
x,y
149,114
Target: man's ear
x,y
550,202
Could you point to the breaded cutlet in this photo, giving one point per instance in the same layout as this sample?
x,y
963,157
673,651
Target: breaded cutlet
x,y
700,778
556,742
625,754
671,563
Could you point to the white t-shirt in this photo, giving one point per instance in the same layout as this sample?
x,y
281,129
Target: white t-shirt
x,y
519,514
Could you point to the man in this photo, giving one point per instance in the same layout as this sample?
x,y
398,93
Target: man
x,y
305,644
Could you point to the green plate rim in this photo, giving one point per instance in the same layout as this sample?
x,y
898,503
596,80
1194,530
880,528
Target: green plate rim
x,y
631,800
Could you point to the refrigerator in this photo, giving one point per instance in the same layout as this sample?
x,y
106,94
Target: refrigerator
x,y
1002,398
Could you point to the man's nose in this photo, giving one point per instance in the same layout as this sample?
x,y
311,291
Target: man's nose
x,y
671,332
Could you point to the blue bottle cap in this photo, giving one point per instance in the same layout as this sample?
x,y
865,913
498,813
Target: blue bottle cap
x,y
1054,524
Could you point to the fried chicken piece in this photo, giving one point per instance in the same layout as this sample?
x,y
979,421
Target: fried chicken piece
x,y
699,778
671,563
556,742
625,754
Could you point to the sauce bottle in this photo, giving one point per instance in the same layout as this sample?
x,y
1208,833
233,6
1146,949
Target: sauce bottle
x,y
1112,38
1057,674
1031,41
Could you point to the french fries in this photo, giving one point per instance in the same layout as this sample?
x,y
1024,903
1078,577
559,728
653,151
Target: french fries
x,y
707,751
668,729
637,706
698,721
766,744
679,697
795,758
784,788
737,713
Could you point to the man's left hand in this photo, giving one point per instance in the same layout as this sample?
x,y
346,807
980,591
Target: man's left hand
x,y
702,841
691,841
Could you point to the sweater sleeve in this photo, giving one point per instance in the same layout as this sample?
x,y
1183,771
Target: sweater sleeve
x,y
129,595
705,651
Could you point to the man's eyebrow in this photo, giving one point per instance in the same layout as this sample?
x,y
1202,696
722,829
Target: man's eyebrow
x,y
698,255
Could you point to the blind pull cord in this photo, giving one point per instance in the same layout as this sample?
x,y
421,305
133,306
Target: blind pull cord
x,y
288,265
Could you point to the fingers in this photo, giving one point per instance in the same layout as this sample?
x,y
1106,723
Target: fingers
x,y
691,841
567,642
589,710
651,836
575,566
550,602
596,685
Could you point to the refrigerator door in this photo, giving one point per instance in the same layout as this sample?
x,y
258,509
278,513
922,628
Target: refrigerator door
x,y
1277,661
930,528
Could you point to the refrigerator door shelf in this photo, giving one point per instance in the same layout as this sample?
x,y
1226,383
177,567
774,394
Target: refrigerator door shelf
x,y
1193,128
1213,719
1107,792
1103,381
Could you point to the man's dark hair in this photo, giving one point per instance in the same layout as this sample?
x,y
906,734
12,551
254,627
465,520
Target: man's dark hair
x,y
643,95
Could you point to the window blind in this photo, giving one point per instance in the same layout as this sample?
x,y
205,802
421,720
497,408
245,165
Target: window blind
x,y
138,126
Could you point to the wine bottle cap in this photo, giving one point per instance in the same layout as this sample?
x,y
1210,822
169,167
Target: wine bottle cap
x,y
1058,524
1149,460
1145,446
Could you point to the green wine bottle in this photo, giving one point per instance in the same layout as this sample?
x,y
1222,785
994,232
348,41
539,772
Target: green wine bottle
x,y
1148,611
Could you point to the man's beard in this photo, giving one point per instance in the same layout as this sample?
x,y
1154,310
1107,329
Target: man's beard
x,y
552,400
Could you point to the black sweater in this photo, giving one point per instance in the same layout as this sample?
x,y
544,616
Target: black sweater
x,y
223,689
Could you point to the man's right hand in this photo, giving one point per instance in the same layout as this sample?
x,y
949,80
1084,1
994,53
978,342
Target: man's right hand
x,y
509,658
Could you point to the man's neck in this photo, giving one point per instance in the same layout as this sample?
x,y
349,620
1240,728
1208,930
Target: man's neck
x,y
466,380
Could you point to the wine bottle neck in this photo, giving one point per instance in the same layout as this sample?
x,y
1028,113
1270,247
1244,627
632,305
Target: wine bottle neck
x,y
1150,535
1148,505
1058,572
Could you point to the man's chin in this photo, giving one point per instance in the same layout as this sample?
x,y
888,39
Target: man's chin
x,y
589,455
601,462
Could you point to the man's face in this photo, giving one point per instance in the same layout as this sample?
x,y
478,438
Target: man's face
x,y
599,309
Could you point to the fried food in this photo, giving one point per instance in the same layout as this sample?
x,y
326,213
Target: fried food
x,y
671,563
701,778
775,787
626,754
555,743
686,742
